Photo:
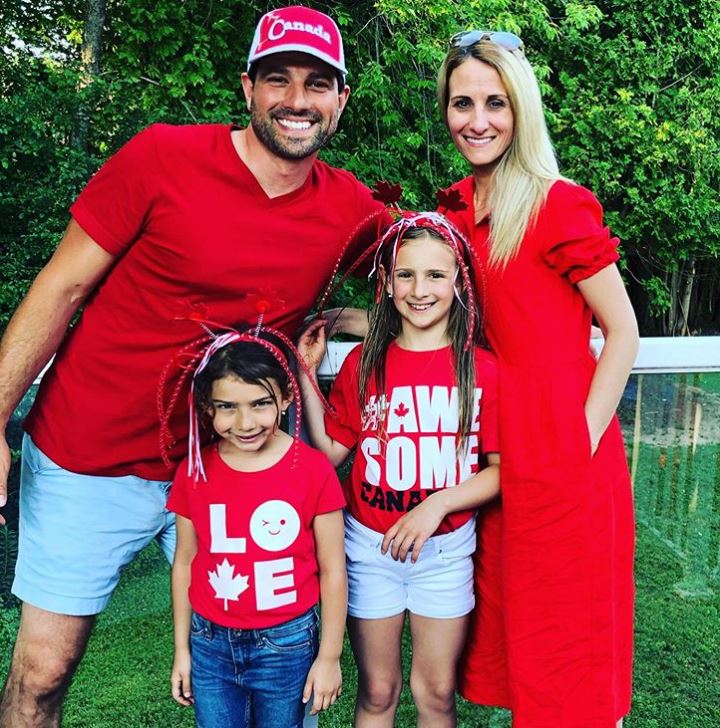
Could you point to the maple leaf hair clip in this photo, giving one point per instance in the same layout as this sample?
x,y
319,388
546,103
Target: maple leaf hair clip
x,y
450,200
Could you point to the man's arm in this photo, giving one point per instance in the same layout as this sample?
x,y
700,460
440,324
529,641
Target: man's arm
x,y
346,321
41,320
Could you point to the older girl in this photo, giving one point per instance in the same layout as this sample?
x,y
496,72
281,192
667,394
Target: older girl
x,y
417,404
567,546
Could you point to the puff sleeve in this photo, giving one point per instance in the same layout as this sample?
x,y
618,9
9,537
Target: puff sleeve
x,y
578,245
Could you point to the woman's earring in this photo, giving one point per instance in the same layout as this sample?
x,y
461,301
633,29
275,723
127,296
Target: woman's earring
x,y
389,294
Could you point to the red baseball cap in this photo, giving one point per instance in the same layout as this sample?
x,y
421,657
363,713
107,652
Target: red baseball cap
x,y
301,29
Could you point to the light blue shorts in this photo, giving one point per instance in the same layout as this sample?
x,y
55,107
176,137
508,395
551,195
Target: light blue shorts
x,y
78,532
438,585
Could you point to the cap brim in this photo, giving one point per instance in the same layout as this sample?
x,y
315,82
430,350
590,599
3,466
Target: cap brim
x,y
298,48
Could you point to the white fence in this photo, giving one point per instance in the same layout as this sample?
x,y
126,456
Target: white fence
x,y
656,355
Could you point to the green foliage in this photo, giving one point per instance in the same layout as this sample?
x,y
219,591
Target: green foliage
x,y
636,101
8,556
632,91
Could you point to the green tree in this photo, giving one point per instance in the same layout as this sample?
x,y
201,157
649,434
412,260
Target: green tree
x,y
632,92
636,101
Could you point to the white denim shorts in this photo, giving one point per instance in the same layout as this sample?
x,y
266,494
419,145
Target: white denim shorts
x,y
438,585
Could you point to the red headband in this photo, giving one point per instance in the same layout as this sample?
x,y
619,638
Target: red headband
x,y
193,358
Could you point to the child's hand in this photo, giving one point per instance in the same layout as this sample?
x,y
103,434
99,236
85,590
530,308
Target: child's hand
x,y
324,683
412,530
180,678
311,344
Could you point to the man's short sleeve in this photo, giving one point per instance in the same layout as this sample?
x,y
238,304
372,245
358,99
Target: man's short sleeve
x,y
116,201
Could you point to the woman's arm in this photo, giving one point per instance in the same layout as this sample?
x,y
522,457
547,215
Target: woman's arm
x,y
605,293
184,553
311,347
324,680
411,531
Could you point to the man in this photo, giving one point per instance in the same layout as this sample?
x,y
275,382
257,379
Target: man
x,y
183,223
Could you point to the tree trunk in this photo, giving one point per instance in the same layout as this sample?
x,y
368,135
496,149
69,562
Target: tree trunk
x,y
90,67
672,312
687,294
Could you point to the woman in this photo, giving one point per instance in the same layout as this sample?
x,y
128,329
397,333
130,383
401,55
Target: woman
x,y
568,535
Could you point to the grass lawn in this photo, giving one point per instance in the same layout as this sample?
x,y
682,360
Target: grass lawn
x,y
124,678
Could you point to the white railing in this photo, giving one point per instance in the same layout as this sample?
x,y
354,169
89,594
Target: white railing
x,y
657,355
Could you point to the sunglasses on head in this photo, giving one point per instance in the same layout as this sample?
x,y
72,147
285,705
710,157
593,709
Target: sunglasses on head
x,y
508,41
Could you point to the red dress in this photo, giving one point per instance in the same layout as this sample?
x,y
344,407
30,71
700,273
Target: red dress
x,y
567,539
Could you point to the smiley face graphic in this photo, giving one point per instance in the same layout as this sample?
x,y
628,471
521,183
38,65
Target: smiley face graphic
x,y
274,525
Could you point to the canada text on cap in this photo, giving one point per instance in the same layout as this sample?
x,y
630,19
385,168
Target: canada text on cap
x,y
300,29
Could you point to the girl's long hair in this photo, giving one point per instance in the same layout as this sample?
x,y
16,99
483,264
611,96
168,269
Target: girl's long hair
x,y
528,168
385,325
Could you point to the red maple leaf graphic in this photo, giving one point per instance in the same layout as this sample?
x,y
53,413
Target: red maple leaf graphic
x,y
386,193
451,200
401,410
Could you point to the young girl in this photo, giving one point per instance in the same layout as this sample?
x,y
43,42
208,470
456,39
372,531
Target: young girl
x,y
417,403
260,533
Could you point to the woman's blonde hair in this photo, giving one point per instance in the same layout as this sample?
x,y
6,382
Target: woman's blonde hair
x,y
528,168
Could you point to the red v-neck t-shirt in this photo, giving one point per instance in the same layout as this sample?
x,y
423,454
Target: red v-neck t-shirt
x,y
195,237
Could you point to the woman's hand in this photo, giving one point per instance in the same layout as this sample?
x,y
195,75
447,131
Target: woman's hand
x,y
594,437
180,678
324,683
411,531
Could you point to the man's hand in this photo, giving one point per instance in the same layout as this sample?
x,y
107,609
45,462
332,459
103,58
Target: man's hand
x,y
324,683
5,462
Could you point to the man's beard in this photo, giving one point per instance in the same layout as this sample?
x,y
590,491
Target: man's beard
x,y
285,148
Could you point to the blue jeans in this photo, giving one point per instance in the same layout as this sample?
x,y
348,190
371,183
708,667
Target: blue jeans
x,y
251,678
